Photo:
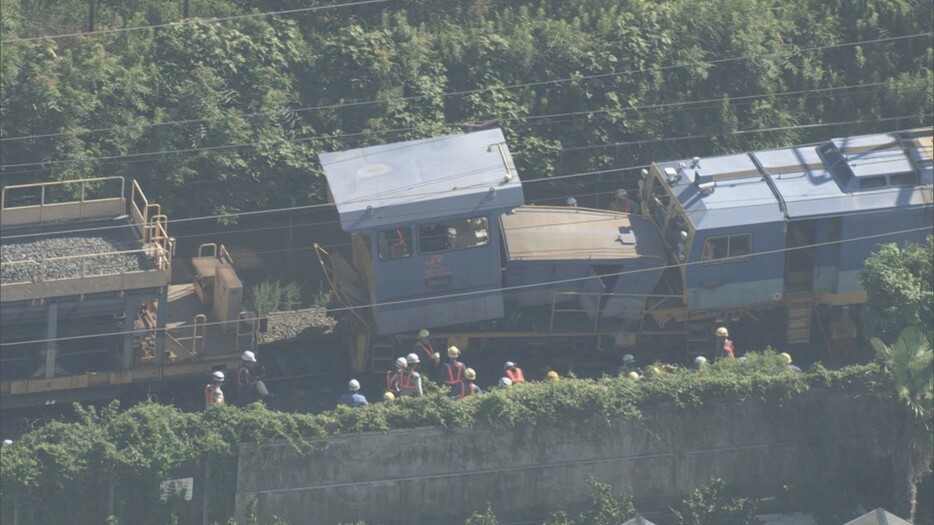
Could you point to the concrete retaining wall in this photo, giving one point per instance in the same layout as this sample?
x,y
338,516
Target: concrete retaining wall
x,y
431,475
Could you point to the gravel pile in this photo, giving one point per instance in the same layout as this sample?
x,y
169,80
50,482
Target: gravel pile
x,y
306,323
46,248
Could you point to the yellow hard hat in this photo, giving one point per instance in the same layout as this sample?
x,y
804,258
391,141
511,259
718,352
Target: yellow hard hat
x,y
655,370
633,375
470,373
786,357
423,333
453,352
389,396
723,332
552,375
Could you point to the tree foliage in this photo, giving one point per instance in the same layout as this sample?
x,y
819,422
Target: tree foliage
x,y
222,117
899,283
710,505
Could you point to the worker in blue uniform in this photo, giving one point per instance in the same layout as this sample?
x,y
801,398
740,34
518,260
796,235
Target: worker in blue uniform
x,y
352,397
467,387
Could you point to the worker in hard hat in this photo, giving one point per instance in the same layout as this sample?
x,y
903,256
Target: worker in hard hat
x,y
629,365
452,373
393,374
246,379
514,373
467,387
410,381
786,358
213,395
424,348
551,376
352,397
724,344
622,202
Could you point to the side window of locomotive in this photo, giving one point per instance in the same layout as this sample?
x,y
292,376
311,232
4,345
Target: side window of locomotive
x,y
717,248
395,244
453,235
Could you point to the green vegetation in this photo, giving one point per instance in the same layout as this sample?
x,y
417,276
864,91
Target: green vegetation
x,y
238,110
57,470
911,361
273,296
899,283
710,505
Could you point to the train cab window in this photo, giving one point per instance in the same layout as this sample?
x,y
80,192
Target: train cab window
x,y
717,248
903,179
453,235
395,243
872,182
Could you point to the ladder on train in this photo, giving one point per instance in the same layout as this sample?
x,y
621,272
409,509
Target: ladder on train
x,y
800,306
382,354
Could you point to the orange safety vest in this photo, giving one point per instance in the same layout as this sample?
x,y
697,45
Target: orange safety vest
x,y
467,389
728,348
213,395
515,375
426,347
454,373
405,381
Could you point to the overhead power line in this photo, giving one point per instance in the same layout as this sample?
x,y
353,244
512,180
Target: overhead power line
x,y
525,182
190,21
498,290
460,93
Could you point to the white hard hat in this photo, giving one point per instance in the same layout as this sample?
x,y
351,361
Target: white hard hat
x,y
248,356
7,442
354,385
401,362
699,360
217,376
452,231
572,201
620,193
423,333
509,364
412,359
505,381
629,358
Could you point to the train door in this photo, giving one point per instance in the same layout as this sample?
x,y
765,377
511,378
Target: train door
x,y
799,280
799,259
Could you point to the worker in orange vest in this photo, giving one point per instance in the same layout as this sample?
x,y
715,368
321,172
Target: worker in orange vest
x,y
213,395
410,381
423,346
724,344
392,376
514,373
452,373
466,387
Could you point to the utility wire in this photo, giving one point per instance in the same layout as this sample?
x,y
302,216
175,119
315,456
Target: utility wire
x,y
193,21
498,290
548,179
482,90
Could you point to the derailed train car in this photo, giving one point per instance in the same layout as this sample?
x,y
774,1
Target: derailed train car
x,y
442,239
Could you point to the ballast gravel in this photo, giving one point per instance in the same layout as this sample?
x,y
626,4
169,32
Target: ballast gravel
x,y
46,253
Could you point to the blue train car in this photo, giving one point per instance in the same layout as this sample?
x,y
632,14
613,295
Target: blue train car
x,y
790,227
424,215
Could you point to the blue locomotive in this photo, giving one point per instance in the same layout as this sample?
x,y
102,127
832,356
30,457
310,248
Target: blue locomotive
x,y
441,238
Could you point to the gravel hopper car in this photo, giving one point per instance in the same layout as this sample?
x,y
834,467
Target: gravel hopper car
x,y
87,304
768,242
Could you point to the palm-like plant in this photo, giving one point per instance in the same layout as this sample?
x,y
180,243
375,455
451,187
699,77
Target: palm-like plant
x,y
911,362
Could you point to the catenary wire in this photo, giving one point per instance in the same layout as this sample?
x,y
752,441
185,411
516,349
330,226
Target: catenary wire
x,y
194,21
498,290
548,179
487,89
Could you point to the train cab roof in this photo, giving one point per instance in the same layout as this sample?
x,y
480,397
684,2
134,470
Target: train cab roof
x,y
422,180
559,232
836,177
